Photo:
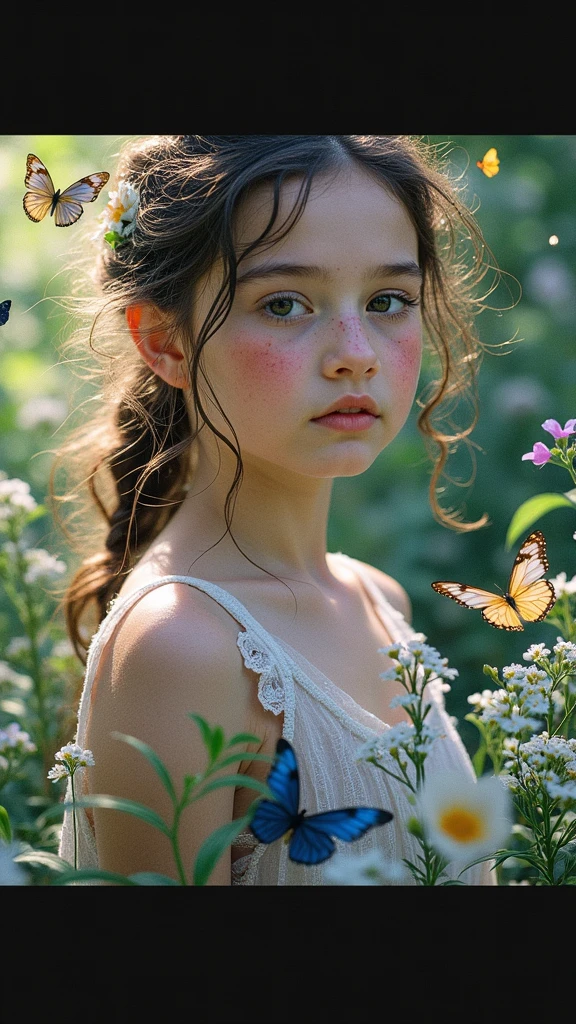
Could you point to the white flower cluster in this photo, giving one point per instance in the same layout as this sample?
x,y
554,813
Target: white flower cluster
x,y
15,497
71,758
40,564
522,704
401,741
14,743
529,694
369,868
544,762
414,653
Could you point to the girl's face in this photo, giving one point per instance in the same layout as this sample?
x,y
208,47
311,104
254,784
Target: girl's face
x,y
330,311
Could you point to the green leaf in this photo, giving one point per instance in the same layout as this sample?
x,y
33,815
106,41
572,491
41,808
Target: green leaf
x,y
152,878
92,874
234,758
565,861
213,847
5,826
243,737
533,509
204,728
154,760
43,858
236,780
216,742
113,238
119,804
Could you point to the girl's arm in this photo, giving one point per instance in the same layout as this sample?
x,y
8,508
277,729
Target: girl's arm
x,y
174,653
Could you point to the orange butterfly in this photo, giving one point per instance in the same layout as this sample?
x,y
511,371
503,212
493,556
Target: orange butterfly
x,y
528,597
66,206
489,163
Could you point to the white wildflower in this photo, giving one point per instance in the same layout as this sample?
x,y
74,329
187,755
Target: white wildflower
x,y
15,497
119,215
369,868
464,818
72,758
13,737
481,699
42,565
535,652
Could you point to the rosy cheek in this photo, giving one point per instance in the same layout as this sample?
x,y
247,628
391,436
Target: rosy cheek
x,y
408,356
265,370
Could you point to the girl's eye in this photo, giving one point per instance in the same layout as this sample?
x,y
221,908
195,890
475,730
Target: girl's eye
x,y
284,307
392,304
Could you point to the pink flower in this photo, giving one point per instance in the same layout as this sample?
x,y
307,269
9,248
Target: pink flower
x,y
539,454
554,428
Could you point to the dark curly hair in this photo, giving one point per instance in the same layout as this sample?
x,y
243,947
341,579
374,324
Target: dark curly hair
x,y
131,454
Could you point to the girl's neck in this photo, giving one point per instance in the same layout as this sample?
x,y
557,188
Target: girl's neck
x,y
279,520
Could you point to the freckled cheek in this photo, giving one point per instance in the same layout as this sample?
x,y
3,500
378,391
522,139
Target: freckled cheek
x,y
265,372
406,357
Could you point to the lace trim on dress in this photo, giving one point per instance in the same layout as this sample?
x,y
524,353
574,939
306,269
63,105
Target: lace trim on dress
x,y
270,686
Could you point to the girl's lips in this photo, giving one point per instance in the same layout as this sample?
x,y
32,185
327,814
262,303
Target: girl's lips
x,y
347,420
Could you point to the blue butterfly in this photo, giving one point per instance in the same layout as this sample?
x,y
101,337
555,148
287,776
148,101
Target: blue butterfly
x,y
5,311
309,835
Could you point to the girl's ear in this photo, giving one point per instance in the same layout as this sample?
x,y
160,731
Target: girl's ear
x,y
157,347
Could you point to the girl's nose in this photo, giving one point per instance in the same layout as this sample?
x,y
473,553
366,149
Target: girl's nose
x,y
350,352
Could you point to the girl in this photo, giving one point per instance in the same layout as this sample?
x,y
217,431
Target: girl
x,y
264,301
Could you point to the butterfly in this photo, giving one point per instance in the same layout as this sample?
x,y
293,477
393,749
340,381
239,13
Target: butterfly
x,y
5,311
309,835
66,206
528,598
489,163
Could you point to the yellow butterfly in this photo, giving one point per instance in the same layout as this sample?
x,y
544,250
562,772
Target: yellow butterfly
x,y
66,206
489,163
528,597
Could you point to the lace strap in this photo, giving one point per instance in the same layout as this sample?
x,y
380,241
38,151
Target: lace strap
x,y
258,649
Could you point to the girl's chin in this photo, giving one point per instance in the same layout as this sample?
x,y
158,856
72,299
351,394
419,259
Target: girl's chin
x,y
351,464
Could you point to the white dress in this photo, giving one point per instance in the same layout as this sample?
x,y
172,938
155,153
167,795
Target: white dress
x,y
325,726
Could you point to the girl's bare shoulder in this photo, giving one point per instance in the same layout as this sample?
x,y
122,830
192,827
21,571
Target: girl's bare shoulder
x,y
176,647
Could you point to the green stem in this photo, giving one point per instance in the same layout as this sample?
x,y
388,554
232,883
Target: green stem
x,y
175,847
74,823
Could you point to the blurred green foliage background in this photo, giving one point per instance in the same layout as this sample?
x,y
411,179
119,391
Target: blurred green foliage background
x,y
382,517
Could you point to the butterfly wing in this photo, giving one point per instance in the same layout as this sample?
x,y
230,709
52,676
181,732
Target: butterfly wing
x,y
5,311
495,608
69,204
273,818
38,199
533,596
313,838
270,821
